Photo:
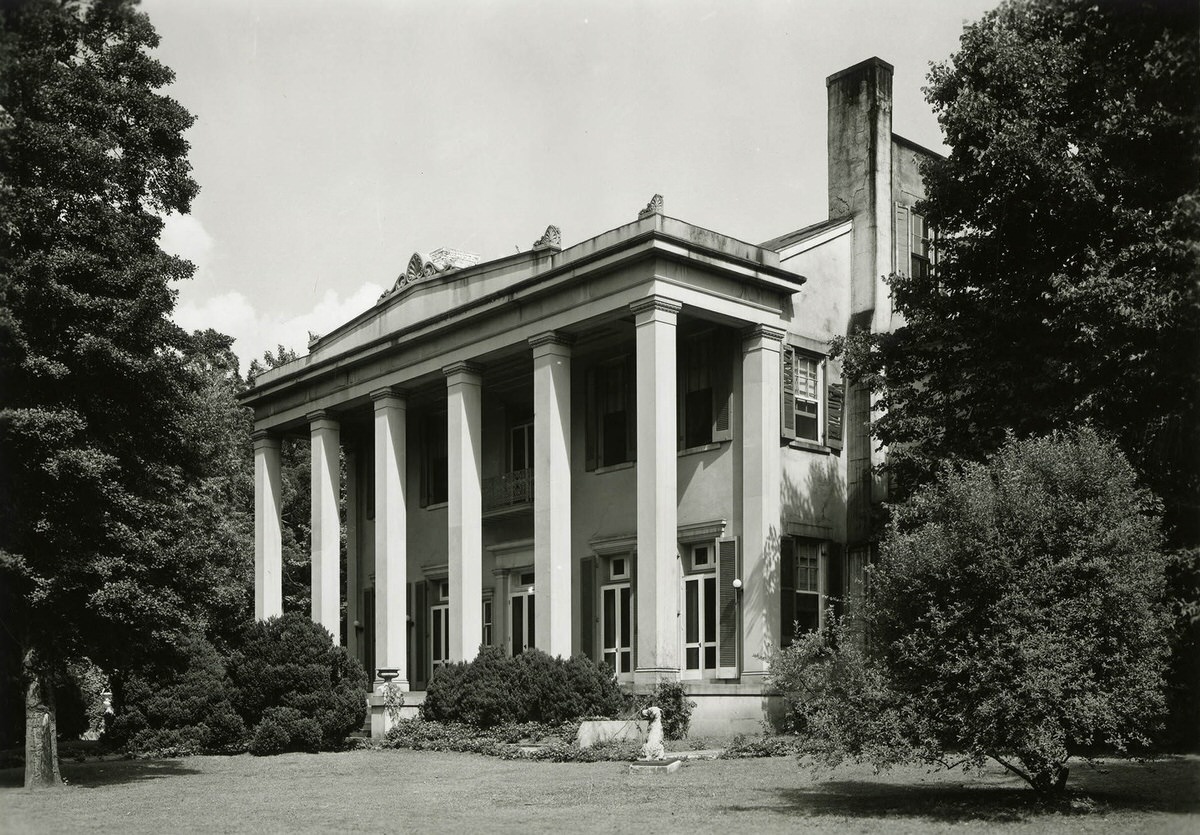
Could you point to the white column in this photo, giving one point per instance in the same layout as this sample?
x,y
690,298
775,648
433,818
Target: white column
x,y
326,527
657,534
353,595
391,535
268,530
761,510
464,509
552,492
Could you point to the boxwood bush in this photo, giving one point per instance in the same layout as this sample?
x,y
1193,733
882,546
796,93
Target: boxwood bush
x,y
496,690
288,675
186,708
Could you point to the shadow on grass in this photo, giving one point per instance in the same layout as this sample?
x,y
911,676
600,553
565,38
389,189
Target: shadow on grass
x,y
1169,785
105,772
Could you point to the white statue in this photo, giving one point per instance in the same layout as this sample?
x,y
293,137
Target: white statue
x,y
653,749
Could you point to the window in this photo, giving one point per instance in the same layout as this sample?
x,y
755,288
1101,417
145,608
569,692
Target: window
x,y
611,438
486,638
806,398
811,405
696,391
618,568
521,614
704,389
801,395
439,625
616,627
435,463
801,582
700,612
921,248
520,447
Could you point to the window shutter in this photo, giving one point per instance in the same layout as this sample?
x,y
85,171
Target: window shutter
x,y
587,607
631,406
787,591
835,404
722,388
420,636
728,569
590,433
903,243
835,584
787,391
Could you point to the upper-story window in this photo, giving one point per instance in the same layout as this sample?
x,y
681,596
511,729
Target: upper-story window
x,y
520,447
705,364
435,460
811,403
611,412
921,245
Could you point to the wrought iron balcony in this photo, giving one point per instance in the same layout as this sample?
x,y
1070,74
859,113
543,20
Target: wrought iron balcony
x,y
508,490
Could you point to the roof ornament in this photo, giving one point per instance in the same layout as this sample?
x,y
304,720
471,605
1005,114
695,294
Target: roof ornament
x,y
654,207
551,239
441,261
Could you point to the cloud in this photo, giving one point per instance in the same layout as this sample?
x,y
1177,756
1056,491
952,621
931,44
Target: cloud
x,y
185,236
255,332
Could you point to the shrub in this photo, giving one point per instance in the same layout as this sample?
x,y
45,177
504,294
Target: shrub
x,y
290,663
676,708
495,690
1016,613
269,738
186,708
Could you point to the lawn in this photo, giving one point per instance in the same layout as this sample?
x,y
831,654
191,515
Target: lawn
x,y
396,791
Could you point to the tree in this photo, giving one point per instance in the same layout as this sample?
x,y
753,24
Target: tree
x,y
93,374
1016,613
1067,216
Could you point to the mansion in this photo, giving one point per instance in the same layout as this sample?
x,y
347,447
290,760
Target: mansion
x,y
632,447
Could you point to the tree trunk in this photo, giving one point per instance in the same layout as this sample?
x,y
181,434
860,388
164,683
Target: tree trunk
x,y
41,731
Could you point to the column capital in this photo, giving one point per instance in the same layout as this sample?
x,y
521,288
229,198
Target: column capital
x,y
551,339
462,369
321,419
389,396
767,333
265,439
655,304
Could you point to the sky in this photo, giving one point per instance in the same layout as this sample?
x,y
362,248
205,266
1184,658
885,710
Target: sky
x,y
334,139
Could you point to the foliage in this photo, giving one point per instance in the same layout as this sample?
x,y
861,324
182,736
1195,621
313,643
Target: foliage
x,y
290,662
494,689
1016,613
528,740
98,387
285,729
751,747
676,708
181,709
1068,215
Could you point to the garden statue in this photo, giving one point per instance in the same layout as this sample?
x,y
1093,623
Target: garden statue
x,y
653,749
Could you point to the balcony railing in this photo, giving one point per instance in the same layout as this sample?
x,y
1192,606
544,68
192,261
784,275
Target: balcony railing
x,y
508,490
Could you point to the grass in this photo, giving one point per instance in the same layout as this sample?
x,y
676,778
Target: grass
x,y
400,790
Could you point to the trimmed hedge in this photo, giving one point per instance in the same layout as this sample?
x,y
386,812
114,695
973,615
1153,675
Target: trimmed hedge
x,y
497,690
186,709
290,677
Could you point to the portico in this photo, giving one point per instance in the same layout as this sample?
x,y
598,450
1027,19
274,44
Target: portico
x,y
541,399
